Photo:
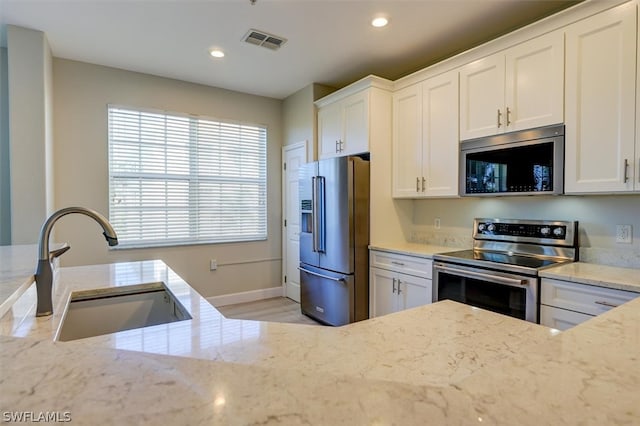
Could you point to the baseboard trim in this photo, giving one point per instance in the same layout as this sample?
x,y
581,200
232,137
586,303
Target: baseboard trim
x,y
246,296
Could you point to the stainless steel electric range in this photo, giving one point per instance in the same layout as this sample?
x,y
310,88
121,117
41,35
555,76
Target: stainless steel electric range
x,y
500,273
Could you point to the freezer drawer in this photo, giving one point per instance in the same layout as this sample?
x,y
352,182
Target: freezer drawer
x,y
327,296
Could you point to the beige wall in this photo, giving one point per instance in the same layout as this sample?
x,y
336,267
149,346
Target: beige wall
x,y
5,162
81,175
30,131
299,116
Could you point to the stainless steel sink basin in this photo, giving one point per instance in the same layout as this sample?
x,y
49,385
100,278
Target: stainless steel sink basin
x,y
109,310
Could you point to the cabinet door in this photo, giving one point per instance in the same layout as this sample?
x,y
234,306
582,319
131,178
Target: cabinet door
x,y
329,130
355,113
600,101
482,97
382,289
534,90
561,319
407,142
413,291
440,135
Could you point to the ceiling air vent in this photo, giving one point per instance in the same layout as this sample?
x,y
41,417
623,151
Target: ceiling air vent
x,y
260,38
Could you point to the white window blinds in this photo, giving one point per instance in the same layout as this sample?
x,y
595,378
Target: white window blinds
x,y
179,179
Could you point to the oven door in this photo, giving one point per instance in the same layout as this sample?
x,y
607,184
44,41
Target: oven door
x,y
504,293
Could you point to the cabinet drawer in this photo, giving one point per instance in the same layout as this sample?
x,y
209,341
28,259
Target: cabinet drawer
x,y
561,319
587,299
411,265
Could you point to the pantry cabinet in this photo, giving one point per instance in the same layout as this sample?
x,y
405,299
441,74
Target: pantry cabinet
x,y
425,138
518,88
600,154
564,304
346,118
398,282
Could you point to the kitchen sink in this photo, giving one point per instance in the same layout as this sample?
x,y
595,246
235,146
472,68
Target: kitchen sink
x,y
109,310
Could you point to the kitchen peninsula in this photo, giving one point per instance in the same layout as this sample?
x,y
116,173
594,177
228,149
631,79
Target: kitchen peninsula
x,y
444,363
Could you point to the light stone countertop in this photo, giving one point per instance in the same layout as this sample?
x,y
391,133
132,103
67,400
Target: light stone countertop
x,y
599,275
438,344
17,266
444,363
413,249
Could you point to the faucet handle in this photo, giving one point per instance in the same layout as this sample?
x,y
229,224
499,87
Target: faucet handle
x,y
59,252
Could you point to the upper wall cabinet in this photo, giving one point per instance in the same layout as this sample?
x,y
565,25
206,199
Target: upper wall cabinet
x,y
425,138
600,102
344,121
519,88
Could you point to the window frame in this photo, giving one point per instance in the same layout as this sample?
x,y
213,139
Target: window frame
x,y
192,179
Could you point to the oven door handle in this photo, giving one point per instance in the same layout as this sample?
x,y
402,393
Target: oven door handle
x,y
513,282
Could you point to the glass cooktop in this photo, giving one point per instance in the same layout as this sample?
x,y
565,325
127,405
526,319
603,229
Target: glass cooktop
x,y
469,256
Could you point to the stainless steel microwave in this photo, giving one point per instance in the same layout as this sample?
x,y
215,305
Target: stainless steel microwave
x,y
528,162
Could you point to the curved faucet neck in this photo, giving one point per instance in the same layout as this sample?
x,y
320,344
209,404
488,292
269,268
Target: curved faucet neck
x,y
45,231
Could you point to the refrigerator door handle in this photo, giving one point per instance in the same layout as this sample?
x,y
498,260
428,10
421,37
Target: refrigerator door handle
x,y
341,279
321,208
314,214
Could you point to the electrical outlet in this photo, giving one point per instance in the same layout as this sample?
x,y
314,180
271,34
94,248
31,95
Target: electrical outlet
x,y
213,264
436,223
623,234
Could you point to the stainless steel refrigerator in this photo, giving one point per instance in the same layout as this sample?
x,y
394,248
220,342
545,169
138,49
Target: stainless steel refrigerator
x,y
334,239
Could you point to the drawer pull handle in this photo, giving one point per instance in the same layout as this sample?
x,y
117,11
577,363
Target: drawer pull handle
x,y
626,170
397,263
604,303
399,291
394,286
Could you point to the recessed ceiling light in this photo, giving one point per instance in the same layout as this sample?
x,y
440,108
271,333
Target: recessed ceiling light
x,y
379,21
216,53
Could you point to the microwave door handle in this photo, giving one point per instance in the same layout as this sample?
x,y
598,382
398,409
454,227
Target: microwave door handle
x,y
513,282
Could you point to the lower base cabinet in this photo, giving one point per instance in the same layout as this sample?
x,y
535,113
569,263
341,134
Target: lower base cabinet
x,y
564,304
392,290
561,319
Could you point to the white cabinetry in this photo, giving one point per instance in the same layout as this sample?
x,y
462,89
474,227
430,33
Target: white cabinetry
x,y
425,138
346,117
564,304
398,282
600,102
519,88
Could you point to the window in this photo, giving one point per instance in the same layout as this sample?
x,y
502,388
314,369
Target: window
x,y
179,179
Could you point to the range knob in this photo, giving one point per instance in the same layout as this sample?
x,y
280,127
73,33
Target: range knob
x,y
481,227
491,227
558,232
545,230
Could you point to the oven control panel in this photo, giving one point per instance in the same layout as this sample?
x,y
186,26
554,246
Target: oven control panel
x,y
530,231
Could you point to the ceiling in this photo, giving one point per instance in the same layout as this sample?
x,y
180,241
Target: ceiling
x,y
329,41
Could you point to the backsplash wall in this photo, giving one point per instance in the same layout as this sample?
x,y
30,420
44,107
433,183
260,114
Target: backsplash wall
x,y
597,217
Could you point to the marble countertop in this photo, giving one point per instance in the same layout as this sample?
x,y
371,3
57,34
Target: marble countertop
x,y
599,275
413,249
17,266
437,344
444,363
